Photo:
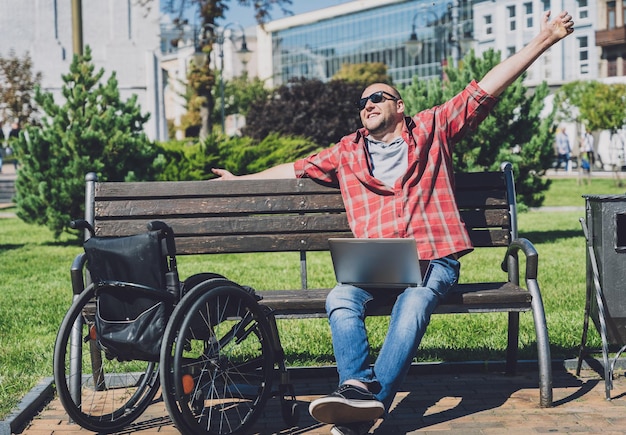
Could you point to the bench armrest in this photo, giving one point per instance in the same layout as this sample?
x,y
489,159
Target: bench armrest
x,y
529,251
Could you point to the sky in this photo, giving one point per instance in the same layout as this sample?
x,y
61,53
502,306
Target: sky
x,y
245,15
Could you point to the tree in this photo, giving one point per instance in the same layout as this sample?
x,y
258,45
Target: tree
x,y
514,131
17,87
598,106
93,131
239,94
209,11
242,156
322,112
200,82
363,73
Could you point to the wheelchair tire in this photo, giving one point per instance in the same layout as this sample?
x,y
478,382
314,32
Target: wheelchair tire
x,y
216,360
99,394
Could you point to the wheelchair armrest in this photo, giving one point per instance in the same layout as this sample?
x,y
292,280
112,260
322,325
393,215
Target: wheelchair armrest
x,y
529,251
76,273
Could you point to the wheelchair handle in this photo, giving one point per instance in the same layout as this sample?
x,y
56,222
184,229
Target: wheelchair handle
x,y
82,224
168,232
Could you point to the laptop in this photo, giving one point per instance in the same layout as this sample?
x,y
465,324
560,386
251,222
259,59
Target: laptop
x,y
376,262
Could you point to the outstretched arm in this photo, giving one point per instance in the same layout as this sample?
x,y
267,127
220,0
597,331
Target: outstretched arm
x,y
505,73
285,170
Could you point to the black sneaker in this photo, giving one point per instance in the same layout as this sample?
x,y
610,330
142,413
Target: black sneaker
x,y
361,428
348,404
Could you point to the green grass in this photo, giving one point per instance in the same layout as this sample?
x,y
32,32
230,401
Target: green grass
x,y
35,292
568,192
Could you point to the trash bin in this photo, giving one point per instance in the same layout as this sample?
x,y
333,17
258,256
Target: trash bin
x,y
606,225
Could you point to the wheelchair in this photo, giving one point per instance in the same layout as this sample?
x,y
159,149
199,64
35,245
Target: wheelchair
x,y
206,343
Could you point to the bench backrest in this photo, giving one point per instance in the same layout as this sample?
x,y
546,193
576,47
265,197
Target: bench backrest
x,y
275,215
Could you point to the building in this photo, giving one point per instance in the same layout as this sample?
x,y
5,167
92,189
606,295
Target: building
x,y
507,26
123,37
414,37
611,37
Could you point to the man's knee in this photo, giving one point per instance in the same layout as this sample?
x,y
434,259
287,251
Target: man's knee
x,y
347,297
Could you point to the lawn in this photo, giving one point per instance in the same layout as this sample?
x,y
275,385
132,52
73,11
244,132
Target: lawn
x,y
35,293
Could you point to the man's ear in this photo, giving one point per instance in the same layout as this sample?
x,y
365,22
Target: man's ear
x,y
400,105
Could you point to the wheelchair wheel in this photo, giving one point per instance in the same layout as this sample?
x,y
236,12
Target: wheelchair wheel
x,y
216,360
100,394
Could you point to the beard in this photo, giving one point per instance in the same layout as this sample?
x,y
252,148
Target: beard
x,y
380,124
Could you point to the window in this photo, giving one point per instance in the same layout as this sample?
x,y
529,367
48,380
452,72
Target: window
x,y
511,18
487,25
528,15
610,14
583,9
612,67
546,5
547,65
510,51
583,55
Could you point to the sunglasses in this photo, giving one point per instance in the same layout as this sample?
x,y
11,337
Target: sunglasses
x,y
376,97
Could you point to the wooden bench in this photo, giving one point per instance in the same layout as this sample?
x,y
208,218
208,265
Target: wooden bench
x,y
242,216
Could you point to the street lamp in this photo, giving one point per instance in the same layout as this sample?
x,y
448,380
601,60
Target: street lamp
x,y
244,54
447,28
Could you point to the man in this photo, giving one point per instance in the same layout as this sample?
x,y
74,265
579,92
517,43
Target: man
x,y
396,178
587,149
563,149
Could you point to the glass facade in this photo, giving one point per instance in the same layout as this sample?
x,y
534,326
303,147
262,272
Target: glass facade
x,y
318,50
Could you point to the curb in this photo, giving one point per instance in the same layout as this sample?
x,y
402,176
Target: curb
x,y
29,407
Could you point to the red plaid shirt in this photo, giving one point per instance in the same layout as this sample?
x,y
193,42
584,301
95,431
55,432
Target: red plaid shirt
x,y
421,204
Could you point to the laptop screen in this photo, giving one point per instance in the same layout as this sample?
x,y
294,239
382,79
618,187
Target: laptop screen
x,y
375,262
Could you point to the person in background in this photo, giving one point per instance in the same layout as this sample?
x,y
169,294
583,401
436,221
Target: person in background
x,y
587,149
397,180
1,148
14,134
563,150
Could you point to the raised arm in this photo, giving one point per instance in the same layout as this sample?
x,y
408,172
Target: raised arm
x,y
505,73
285,170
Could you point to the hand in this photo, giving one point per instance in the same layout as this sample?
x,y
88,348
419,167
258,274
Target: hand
x,y
223,174
559,27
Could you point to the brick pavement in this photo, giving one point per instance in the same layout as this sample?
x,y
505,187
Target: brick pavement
x,y
464,403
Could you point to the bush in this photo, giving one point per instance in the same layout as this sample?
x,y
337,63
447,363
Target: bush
x,y
321,112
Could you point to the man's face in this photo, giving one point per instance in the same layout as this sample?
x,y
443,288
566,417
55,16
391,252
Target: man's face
x,y
383,109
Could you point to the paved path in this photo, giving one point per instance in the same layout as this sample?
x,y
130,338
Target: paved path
x,y
466,403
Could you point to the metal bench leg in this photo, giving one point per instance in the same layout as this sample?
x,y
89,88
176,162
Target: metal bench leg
x,y
512,344
543,345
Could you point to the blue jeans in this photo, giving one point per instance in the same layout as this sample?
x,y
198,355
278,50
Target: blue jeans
x,y
346,309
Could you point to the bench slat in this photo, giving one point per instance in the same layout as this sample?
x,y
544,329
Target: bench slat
x,y
271,223
179,206
163,189
479,180
486,238
477,218
206,188
481,199
255,243
476,297
265,224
